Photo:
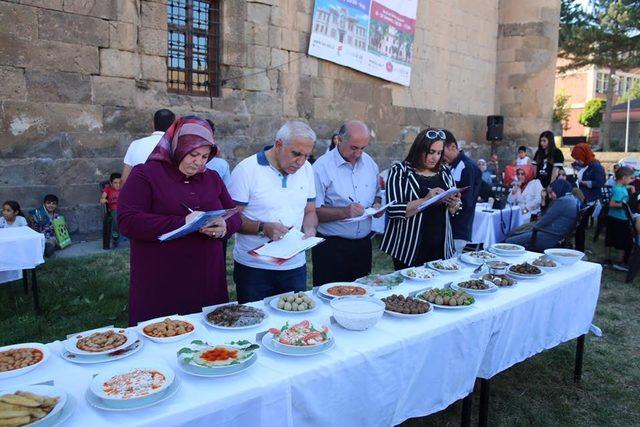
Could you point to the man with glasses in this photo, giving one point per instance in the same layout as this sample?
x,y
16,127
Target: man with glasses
x,y
346,184
275,192
466,174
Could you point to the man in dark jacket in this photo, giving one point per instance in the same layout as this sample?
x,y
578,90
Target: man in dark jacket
x,y
466,174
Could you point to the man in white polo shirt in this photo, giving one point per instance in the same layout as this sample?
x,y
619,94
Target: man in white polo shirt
x,y
139,150
346,184
274,191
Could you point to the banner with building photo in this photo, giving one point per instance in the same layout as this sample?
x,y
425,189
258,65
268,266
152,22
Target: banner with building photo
x,y
372,36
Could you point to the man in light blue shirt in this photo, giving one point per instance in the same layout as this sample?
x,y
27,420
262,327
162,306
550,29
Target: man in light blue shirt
x,y
346,184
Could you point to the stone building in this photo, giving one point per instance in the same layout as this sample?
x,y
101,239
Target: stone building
x,y
82,78
337,24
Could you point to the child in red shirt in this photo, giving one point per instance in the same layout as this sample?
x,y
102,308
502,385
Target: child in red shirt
x,y
109,197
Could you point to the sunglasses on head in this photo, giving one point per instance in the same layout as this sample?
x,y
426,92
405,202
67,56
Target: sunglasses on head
x,y
435,134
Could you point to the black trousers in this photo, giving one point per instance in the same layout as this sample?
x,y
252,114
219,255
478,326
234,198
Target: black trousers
x,y
582,228
340,260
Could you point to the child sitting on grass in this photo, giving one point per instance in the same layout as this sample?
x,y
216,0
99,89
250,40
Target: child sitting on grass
x,y
40,219
618,235
109,197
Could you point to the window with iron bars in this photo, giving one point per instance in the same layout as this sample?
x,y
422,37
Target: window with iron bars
x,y
194,47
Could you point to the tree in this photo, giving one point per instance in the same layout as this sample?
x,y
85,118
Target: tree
x,y
607,35
632,93
591,116
561,108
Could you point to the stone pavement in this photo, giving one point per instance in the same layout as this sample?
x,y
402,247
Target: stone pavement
x,y
86,247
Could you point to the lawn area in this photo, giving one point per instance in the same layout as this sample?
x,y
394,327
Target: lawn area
x,y
82,293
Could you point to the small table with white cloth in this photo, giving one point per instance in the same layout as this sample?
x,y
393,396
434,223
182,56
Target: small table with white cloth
x,y
21,249
398,369
492,225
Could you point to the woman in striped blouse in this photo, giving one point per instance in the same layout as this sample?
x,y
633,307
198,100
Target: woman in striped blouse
x,y
413,237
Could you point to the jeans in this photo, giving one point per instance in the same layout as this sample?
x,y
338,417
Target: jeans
x,y
254,284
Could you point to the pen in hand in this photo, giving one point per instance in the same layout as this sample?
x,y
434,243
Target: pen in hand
x,y
188,208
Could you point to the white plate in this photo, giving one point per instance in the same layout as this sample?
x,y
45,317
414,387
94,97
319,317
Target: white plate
x,y
524,276
492,288
409,316
235,328
100,379
323,289
274,304
430,264
142,325
465,257
502,252
545,268
267,342
452,307
419,279
14,373
70,343
48,391
222,371
67,411
102,358
98,403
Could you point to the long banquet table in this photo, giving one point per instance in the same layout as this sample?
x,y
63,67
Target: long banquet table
x,y
399,369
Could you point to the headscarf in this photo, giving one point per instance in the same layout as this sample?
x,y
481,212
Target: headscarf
x,y
183,136
583,153
528,174
560,187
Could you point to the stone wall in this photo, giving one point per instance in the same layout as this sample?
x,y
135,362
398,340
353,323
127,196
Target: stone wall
x,y
82,78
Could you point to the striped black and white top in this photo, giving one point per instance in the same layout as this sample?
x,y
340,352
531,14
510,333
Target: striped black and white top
x,y
402,235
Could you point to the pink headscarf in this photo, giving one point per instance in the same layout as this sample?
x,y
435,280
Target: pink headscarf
x,y
183,136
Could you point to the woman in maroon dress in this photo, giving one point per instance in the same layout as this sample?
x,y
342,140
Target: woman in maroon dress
x,y
182,275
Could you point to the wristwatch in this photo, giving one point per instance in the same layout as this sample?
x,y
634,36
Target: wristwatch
x,y
261,229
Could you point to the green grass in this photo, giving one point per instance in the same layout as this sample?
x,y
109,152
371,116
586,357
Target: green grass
x,y
81,293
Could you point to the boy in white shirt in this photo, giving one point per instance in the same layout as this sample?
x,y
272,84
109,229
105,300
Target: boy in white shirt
x,y
522,158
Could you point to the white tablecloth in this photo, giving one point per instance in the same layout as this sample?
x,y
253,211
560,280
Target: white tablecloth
x,y
492,227
401,368
20,248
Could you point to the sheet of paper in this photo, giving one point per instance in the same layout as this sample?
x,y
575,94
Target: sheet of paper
x,y
368,213
289,246
438,198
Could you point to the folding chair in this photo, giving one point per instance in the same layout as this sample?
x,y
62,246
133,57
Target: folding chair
x,y
566,240
634,257
601,221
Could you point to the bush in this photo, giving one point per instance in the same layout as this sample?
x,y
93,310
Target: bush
x,y
591,116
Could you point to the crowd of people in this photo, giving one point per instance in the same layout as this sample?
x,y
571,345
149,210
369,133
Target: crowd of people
x,y
177,172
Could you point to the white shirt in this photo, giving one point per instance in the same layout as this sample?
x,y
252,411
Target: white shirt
x,y
339,184
530,198
269,196
140,149
523,161
20,221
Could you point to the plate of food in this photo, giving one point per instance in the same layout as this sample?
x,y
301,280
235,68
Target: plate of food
x,y
448,298
344,289
406,307
205,360
35,405
501,280
381,281
545,263
18,359
121,353
419,273
294,303
445,266
564,256
524,271
132,404
167,329
130,386
100,341
507,249
475,286
234,316
477,257
301,339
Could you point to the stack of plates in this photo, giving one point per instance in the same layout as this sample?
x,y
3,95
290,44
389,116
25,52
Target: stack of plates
x,y
106,390
60,412
73,353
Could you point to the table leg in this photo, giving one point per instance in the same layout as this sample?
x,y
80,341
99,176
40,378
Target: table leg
x,y
465,417
577,371
25,281
34,288
484,402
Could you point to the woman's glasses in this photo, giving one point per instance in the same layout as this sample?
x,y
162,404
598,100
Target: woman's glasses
x,y
435,134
